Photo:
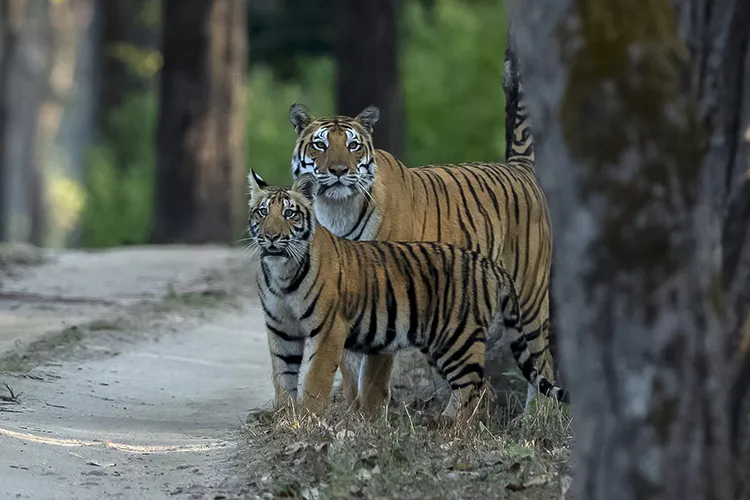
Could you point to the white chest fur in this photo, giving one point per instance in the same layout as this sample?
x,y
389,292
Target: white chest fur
x,y
346,218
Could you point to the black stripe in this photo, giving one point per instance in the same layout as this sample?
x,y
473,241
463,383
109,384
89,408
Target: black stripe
x,y
392,310
301,273
457,357
281,334
290,359
266,311
312,305
319,328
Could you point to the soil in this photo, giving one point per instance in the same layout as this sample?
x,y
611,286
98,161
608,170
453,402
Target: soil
x,y
131,370
130,373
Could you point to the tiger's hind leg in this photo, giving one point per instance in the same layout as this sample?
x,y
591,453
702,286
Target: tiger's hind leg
x,y
463,369
374,384
351,364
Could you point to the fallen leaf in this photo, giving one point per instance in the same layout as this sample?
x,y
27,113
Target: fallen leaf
x,y
294,448
310,493
536,481
344,434
364,475
463,466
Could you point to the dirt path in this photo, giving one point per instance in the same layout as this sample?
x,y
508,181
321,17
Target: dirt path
x,y
146,409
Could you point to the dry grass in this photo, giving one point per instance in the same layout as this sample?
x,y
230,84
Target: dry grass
x,y
405,454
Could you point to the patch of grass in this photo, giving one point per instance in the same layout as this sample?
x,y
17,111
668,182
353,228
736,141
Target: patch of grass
x,y
105,325
404,455
207,298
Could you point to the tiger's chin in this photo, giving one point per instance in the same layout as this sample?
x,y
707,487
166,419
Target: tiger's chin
x,y
278,253
337,192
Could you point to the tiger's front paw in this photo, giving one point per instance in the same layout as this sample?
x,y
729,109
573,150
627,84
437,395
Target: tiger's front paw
x,y
314,406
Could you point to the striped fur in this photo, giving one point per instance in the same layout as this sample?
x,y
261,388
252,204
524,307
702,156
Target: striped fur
x,y
375,297
495,209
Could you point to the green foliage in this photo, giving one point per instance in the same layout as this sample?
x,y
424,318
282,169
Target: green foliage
x,y
452,67
269,135
120,178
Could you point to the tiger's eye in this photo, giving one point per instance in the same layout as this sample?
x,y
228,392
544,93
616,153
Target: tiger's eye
x,y
320,145
354,146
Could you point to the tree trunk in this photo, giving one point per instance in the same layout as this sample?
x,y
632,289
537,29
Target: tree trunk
x,y
200,188
624,155
25,64
367,67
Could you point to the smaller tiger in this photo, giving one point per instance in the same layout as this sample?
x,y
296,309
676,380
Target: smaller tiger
x,y
373,297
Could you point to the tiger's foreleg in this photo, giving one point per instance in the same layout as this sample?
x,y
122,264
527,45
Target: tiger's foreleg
x,y
286,360
375,383
326,350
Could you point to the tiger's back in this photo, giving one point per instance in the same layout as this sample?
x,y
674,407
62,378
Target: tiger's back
x,y
439,298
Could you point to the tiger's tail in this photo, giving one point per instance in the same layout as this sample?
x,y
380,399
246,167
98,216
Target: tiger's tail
x,y
519,140
508,318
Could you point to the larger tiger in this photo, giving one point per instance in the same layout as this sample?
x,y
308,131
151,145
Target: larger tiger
x,y
496,209
374,297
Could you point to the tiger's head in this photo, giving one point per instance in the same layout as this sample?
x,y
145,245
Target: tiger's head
x,y
338,150
281,222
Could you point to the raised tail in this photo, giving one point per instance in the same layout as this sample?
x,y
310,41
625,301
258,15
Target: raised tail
x,y
519,140
508,319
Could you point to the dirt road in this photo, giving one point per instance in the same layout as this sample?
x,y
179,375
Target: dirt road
x,y
131,386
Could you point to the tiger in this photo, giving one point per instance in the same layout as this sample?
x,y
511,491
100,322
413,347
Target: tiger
x,y
374,297
495,209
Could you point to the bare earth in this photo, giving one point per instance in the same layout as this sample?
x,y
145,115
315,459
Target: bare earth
x,y
135,368
130,373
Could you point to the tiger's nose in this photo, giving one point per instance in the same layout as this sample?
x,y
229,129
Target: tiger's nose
x,y
273,237
339,170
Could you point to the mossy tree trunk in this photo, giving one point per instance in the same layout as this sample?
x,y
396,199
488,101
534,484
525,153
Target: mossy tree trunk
x,y
201,188
636,117
367,70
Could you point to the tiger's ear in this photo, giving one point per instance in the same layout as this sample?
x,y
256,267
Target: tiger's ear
x,y
255,184
300,117
369,117
306,184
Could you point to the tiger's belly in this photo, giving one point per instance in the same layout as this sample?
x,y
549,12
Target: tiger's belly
x,y
386,341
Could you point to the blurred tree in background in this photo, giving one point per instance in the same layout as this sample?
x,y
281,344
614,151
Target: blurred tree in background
x,y
129,55
46,110
200,182
367,67
448,50
444,59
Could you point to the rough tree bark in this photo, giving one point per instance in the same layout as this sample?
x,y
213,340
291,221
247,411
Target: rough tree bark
x,y
200,161
367,70
627,154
